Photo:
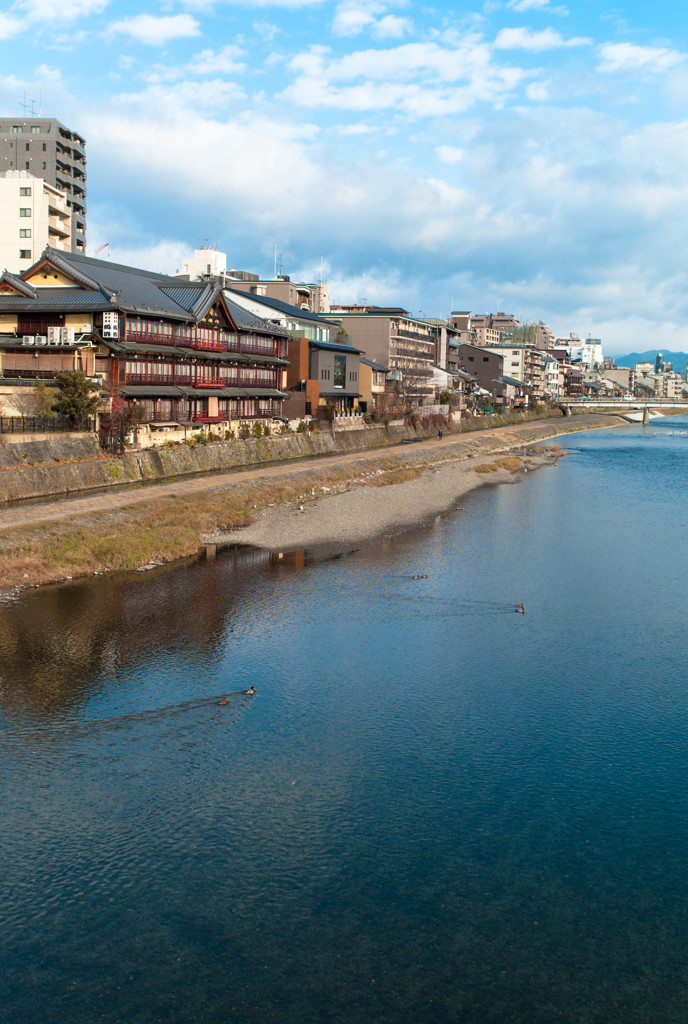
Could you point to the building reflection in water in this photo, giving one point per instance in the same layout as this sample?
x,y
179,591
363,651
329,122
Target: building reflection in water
x,y
60,644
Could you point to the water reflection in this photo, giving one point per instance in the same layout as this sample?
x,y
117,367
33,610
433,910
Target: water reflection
x,y
434,810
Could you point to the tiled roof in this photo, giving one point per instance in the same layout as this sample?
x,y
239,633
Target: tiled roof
x,y
335,346
115,286
242,318
282,307
17,283
50,300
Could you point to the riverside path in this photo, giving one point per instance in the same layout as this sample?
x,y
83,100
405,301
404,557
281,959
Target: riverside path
x,y
452,447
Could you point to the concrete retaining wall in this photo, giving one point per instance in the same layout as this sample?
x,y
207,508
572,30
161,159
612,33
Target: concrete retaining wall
x,y
31,469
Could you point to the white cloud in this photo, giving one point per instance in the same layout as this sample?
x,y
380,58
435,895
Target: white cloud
x,y
266,29
157,31
537,92
351,17
28,13
536,5
629,57
49,11
450,154
10,26
224,61
417,79
392,27
524,39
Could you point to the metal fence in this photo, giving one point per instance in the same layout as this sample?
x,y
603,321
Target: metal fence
x,y
41,425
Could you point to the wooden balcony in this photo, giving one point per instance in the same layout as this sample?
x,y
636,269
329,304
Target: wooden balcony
x,y
149,338
208,382
149,378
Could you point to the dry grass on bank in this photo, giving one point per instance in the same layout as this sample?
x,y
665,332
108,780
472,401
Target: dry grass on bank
x,y
510,463
166,529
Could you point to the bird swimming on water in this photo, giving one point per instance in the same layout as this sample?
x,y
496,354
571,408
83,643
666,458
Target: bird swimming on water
x,y
223,701
251,690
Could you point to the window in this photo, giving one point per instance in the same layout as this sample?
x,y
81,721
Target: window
x,y
44,147
486,359
43,165
24,254
16,128
25,232
27,146
35,129
26,165
24,191
24,211
339,371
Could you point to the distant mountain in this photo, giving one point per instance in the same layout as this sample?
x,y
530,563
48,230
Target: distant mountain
x,y
677,358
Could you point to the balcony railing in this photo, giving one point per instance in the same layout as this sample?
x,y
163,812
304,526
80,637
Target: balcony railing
x,y
208,382
10,373
150,338
249,345
150,378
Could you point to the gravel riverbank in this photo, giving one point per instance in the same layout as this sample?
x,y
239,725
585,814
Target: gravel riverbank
x,y
332,500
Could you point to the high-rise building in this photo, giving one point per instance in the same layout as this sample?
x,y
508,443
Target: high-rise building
x,y
33,214
45,148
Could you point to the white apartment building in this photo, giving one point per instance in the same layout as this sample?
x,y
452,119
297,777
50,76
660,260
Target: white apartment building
x,y
205,262
33,214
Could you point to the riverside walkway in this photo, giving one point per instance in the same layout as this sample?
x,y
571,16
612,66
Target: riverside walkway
x,y
431,451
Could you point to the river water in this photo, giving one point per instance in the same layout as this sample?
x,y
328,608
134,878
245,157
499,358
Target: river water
x,y
433,810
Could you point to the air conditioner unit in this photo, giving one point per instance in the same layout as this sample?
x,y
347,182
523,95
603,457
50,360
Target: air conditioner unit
x,y
29,339
41,339
67,335
54,335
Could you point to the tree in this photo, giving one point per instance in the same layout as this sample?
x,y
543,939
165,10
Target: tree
x,y
77,398
342,337
412,385
36,402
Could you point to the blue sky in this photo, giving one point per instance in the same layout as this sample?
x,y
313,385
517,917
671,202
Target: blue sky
x,y
524,155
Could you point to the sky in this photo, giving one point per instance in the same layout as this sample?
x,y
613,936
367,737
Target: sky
x,y
526,156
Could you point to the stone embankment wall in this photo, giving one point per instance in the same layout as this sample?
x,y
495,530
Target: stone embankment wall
x,y
72,464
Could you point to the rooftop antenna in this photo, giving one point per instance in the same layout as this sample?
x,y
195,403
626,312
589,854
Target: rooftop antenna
x,y
25,106
280,265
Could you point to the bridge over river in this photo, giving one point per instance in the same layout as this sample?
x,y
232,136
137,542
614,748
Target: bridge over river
x,y
624,406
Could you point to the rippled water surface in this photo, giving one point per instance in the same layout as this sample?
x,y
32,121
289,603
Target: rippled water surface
x,y
434,810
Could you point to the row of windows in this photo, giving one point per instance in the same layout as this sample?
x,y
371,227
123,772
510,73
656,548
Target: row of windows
x,y
27,147
27,165
19,128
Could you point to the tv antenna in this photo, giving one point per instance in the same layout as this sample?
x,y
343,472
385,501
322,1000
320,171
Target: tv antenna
x,y
25,106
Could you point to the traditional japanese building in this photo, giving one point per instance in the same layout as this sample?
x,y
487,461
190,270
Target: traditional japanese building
x,y
181,351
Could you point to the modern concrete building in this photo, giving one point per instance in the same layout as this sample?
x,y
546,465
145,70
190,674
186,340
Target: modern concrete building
x,y
33,214
314,297
206,262
392,338
45,148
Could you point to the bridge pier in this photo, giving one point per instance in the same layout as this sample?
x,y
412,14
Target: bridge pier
x,y
566,409
646,416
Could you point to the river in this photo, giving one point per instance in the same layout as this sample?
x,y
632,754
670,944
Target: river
x,y
433,810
